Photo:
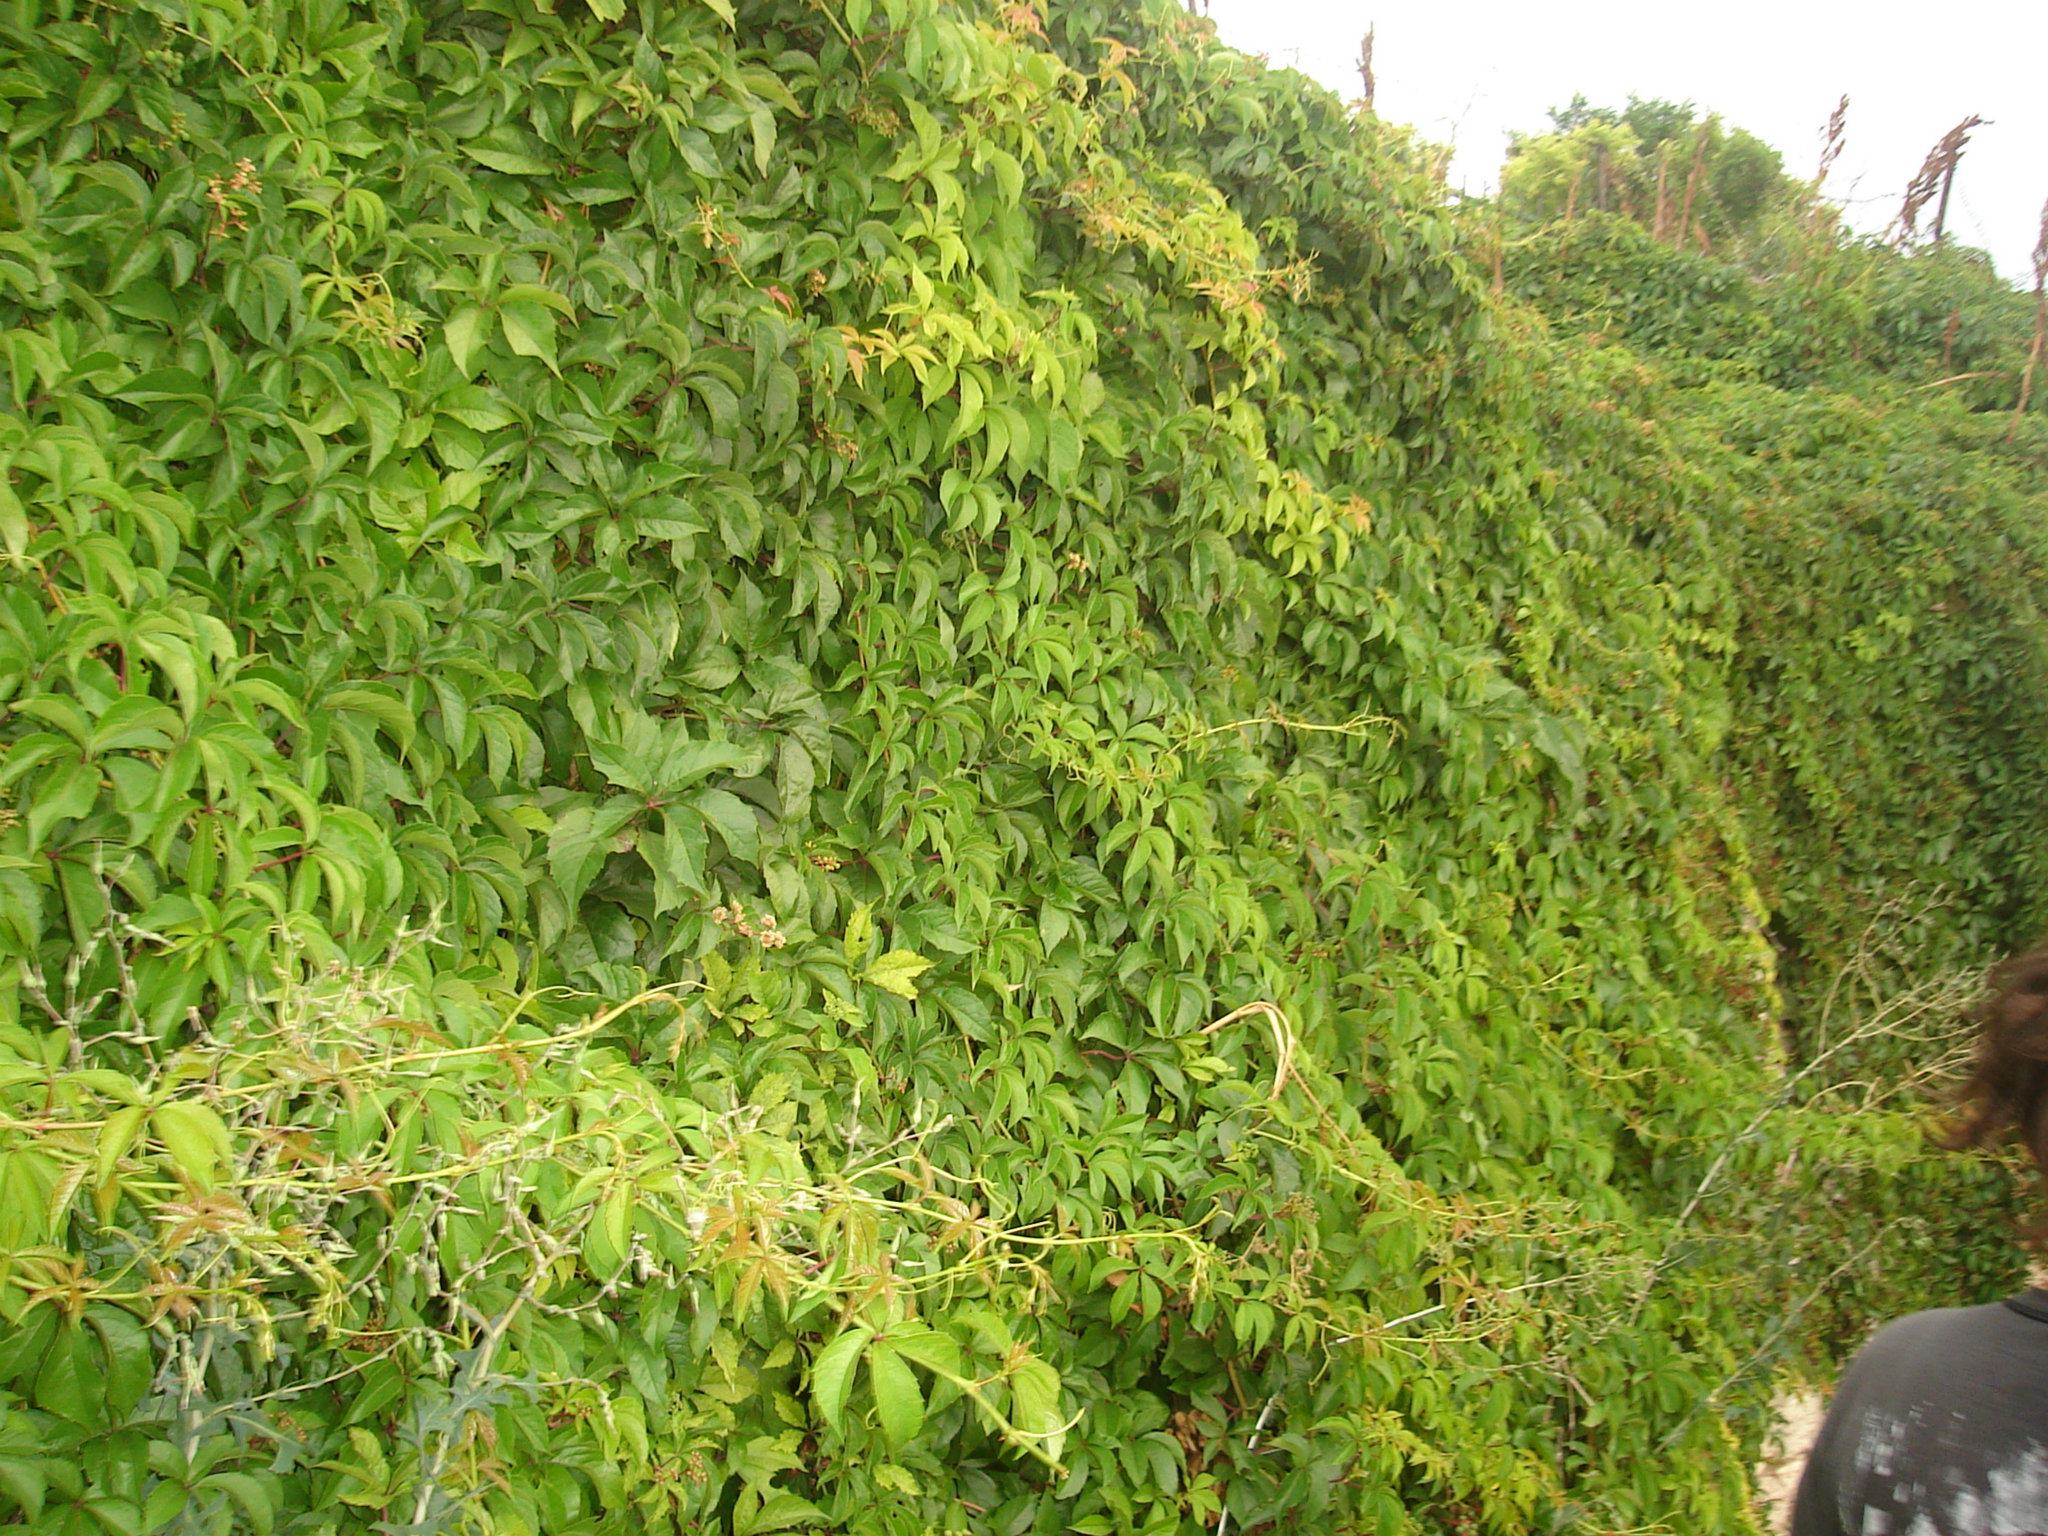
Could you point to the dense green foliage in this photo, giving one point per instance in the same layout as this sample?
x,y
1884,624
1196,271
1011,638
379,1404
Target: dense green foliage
x,y
1660,164
892,767
1846,494
1802,311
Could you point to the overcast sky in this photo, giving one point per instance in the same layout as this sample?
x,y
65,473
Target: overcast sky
x,y
1467,72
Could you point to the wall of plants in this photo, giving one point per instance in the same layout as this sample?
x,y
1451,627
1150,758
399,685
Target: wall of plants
x,y
1801,305
892,767
1863,564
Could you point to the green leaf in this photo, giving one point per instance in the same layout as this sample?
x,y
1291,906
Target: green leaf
x,y
118,1517
897,971
22,1482
163,384
476,408
537,293
67,794
971,400
134,725
898,1402
1035,1405
683,763
928,1347
250,1493
512,162
1062,452
465,335
778,402
582,839
796,776
677,858
69,1382
1009,175
196,1138
608,1240
129,1363
116,1137
529,329
832,1373
734,821
779,1510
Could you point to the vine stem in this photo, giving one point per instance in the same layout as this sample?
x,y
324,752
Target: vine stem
x,y
1259,1428
1283,1038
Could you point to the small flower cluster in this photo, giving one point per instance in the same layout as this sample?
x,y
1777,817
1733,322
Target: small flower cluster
x,y
839,442
227,215
879,116
710,227
763,933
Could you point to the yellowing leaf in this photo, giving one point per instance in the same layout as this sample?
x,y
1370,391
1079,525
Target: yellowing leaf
x,y
860,931
897,971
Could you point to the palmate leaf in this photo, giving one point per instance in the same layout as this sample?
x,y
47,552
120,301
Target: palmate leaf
x,y
195,1137
1035,1401
832,1373
582,838
733,819
467,334
529,329
897,971
899,1404
659,758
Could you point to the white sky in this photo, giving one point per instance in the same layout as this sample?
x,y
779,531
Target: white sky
x,y
1466,72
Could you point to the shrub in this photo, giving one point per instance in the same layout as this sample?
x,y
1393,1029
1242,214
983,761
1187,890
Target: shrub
x,y
873,767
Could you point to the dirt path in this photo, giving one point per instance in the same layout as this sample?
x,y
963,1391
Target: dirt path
x,y
1777,1475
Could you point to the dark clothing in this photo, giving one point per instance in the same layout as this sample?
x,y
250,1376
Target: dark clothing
x,y
1939,1428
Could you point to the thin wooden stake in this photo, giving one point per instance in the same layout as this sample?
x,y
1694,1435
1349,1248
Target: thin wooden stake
x,y
1692,185
1936,175
2040,325
1663,202
1832,140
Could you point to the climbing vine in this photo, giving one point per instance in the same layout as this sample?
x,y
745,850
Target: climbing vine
x,y
881,767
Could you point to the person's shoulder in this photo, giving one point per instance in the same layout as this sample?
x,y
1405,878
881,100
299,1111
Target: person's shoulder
x,y
1940,1335
1937,1321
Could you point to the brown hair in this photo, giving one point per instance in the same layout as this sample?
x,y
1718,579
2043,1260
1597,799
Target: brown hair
x,y
2007,1091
